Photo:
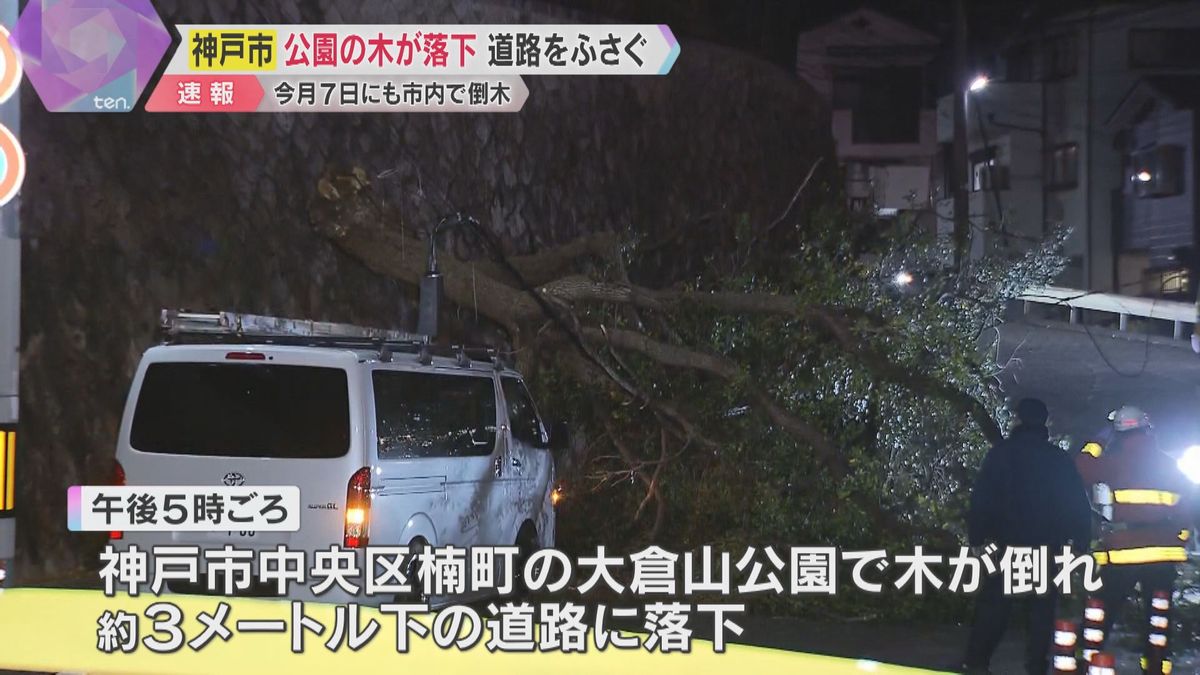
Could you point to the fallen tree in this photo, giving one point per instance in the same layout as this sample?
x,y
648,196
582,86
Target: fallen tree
x,y
790,385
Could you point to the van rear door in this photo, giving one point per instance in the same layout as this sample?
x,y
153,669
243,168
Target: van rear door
x,y
247,415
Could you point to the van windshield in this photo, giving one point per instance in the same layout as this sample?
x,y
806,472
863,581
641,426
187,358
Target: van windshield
x,y
242,410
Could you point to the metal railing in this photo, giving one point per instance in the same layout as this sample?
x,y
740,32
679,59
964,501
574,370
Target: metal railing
x,y
1180,314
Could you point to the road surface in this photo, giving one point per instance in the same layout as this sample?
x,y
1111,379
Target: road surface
x,y
1084,372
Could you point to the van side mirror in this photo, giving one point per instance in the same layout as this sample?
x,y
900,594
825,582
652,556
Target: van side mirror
x,y
560,438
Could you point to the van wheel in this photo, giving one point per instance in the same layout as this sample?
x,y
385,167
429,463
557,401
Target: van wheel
x,y
412,566
527,544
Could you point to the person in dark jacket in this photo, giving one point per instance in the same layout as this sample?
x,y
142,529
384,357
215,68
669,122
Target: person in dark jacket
x,y
1028,493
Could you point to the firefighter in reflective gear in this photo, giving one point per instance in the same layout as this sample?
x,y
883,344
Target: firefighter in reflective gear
x,y
1142,503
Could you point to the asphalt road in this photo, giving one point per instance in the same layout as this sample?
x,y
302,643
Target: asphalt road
x,y
1084,372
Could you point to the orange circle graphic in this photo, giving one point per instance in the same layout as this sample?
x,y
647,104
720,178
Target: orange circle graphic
x,y
10,66
14,165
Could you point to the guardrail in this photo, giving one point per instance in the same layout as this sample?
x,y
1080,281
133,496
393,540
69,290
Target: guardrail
x,y
1180,314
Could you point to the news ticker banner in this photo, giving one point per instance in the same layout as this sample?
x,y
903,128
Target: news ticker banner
x,y
686,605
183,508
55,630
393,68
101,55
230,519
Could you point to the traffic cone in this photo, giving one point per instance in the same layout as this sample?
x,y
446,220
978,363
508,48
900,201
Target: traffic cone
x,y
1102,663
1093,627
1065,637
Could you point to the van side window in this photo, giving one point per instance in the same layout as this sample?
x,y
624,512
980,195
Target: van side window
x,y
522,415
434,415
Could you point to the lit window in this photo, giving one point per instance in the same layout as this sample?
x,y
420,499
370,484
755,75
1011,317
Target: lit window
x,y
1157,171
1173,282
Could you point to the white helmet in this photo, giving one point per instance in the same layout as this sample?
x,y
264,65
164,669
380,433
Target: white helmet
x,y
1128,418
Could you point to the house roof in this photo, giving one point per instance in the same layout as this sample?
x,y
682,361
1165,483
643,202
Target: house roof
x,y
866,26
1181,92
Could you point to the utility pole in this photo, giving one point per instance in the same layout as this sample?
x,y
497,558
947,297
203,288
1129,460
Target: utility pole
x,y
958,164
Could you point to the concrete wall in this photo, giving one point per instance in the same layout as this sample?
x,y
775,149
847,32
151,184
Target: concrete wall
x,y
126,213
1004,116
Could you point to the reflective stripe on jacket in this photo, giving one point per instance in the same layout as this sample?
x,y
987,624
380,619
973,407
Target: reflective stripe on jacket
x,y
1151,500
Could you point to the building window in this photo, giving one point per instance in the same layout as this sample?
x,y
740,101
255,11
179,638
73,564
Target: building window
x,y
1061,55
884,103
1164,48
1019,63
986,172
1157,171
1062,167
1175,281
1168,282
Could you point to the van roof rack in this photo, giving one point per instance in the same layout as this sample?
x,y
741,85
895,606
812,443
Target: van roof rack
x,y
182,326
185,327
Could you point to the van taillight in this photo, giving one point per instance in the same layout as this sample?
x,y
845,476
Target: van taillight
x,y
358,509
118,479
245,356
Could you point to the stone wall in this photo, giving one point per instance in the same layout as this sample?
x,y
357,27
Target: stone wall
x,y
123,214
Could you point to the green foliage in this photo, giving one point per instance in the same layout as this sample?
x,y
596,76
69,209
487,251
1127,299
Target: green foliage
x,y
909,452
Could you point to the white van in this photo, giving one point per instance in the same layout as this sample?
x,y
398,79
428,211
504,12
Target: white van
x,y
450,449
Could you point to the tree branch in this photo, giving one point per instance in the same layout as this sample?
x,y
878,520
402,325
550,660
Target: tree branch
x,y
826,451
898,373
552,263
651,482
826,318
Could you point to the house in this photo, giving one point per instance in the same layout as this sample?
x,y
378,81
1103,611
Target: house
x,y
1073,113
875,74
1159,224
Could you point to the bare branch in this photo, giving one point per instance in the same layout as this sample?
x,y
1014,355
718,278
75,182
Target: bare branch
x,y
651,483
792,204
592,375
552,263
